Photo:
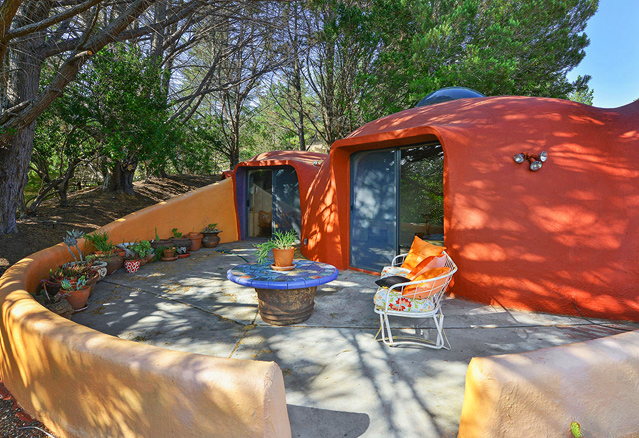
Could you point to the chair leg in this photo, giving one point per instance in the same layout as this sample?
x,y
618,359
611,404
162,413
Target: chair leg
x,y
441,341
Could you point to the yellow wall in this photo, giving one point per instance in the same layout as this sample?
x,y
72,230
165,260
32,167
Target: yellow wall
x,y
539,393
82,383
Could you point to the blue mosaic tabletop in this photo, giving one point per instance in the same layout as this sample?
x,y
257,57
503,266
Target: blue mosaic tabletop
x,y
262,276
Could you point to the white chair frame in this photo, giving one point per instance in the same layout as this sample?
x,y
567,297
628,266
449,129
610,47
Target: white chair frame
x,y
434,294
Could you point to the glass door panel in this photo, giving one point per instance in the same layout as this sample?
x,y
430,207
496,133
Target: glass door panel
x,y
287,212
421,195
373,209
260,203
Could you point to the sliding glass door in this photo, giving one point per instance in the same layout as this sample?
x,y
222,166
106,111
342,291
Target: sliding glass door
x,y
396,194
273,202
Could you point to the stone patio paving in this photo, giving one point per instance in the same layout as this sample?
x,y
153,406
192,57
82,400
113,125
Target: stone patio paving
x,y
340,382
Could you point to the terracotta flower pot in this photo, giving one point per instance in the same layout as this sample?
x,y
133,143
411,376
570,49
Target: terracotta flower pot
x,y
196,240
78,298
132,266
53,287
91,282
210,240
283,257
114,262
121,252
159,243
169,253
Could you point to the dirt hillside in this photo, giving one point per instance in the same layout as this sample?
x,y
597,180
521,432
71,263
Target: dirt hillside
x,y
88,210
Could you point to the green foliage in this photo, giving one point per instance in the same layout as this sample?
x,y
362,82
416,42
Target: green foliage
x,y
121,99
211,228
101,242
142,248
502,47
176,233
69,286
278,241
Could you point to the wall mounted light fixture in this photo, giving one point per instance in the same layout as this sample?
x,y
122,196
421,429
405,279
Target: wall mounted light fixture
x,y
535,160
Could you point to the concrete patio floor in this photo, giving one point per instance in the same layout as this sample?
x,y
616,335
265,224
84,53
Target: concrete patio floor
x,y
340,382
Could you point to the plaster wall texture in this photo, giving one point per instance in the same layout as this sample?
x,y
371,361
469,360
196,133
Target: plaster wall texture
x,y
81,383
541,392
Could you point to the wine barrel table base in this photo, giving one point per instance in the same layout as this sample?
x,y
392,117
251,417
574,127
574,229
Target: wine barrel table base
x,y
285,297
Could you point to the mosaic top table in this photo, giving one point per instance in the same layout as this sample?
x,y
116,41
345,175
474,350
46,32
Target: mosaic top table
x,y
285,297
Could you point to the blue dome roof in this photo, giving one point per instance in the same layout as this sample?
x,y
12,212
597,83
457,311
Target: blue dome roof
x,y
448,93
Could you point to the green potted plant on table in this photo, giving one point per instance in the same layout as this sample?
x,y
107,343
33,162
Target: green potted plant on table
x,y
211,238
76,293
283,249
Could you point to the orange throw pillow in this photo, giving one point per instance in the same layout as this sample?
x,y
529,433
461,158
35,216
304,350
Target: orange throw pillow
x,y
427,288
419,250
427,264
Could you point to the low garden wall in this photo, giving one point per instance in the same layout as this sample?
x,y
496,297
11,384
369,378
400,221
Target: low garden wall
x,y
540,393
83,383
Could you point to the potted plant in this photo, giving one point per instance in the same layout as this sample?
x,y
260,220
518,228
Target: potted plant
x,y
179,240
196,240
157,242
132,262
71,241
144,251
101,243
282,246
76,294
181,252
211,238
54,302
169,254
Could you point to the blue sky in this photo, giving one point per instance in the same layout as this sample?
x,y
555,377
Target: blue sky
x,y
612,58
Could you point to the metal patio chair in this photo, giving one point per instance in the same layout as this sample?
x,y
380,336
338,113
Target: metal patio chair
x,y
422,303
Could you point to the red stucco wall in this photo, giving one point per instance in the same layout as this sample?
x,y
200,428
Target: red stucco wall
x,y
549,241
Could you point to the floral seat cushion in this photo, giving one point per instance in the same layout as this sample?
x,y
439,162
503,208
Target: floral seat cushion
x,y
401,303
394,270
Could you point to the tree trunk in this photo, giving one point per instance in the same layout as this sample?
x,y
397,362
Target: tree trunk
x,y
14,171
15,151
121,177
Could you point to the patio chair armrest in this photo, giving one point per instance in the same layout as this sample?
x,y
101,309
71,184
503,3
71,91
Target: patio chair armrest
x,y
398,260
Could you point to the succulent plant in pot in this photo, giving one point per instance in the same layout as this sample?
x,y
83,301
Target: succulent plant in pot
x,y
76,293
143,250
282,246
211,238
71,242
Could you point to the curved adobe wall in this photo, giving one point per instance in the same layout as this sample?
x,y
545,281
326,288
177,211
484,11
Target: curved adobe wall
x,y
539,393
81,383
